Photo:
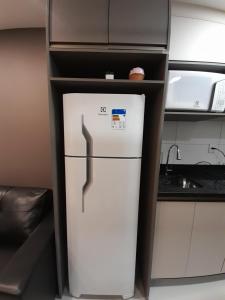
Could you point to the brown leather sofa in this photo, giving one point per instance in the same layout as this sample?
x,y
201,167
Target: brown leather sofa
x,y
27,254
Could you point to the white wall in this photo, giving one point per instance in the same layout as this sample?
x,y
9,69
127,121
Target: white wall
x,y
25,150
197,33
194,138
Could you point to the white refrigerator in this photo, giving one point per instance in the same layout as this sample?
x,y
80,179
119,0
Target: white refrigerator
x,y
103,148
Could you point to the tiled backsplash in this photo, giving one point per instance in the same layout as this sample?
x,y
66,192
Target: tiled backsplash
x,y
193,139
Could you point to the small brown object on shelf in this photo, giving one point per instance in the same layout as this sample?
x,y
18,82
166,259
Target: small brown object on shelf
x,y
137,74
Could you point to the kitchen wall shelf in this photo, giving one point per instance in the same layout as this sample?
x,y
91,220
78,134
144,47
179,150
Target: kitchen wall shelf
x,y
106,86
197,66
193,116
94,63
103,48
89,47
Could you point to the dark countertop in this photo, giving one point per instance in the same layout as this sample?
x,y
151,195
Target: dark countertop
x,y
209,182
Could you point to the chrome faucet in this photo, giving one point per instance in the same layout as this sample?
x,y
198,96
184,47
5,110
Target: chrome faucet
x,y
178,157
219,150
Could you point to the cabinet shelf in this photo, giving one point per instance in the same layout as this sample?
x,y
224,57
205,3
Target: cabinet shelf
x,y
192,116
196,66
94,63
119,49
106,86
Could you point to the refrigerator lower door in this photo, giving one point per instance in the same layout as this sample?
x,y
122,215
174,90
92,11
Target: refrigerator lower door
x,y
102,231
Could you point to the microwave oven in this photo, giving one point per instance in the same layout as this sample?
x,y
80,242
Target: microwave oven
x,y
195,91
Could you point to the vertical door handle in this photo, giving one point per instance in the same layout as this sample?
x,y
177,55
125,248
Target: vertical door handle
x,y
89,146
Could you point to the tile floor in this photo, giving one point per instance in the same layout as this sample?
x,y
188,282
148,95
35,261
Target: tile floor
x,y
204,291
138,296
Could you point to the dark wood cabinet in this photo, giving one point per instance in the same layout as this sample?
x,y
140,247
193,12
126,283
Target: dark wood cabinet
x,y
79,21
79,55
127,22
138,22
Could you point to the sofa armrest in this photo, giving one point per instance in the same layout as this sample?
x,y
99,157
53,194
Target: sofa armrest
x,y
14,278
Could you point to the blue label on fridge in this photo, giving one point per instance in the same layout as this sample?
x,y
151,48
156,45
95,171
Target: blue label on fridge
x,y
118,118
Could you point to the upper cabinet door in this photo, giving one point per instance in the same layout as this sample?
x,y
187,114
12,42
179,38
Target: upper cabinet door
x,y
142,22
79,21
196,39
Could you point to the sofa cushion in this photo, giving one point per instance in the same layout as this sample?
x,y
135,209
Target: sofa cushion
x,y
6,253
21,210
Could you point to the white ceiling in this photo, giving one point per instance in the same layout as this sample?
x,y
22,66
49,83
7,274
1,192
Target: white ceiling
x,y
31,13
22,13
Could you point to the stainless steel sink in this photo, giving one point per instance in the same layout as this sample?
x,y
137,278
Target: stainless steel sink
x,y
179,181
189,184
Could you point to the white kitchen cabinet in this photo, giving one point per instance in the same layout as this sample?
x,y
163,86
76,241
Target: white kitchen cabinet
x,y
207,250
172,239
194,39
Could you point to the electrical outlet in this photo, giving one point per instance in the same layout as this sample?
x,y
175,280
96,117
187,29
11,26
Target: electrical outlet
x,y
211,150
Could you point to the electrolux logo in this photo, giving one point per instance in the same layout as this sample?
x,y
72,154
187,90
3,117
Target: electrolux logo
x,y
103,111
197,103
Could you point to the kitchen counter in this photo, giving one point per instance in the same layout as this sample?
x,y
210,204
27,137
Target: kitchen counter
x,y
207,182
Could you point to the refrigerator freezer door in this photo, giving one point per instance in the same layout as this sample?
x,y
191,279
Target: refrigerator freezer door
x,y
114,124
191,90
102,237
